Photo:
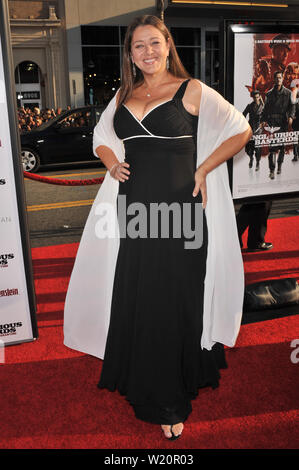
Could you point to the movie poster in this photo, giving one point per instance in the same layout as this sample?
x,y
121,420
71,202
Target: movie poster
x,y
266,79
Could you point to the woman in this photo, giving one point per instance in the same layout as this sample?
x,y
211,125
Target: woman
x,y
172,308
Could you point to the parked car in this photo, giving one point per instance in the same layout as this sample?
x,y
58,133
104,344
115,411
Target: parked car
x,y
64,139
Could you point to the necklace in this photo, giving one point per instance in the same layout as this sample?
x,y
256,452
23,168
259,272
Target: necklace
x,y
148,93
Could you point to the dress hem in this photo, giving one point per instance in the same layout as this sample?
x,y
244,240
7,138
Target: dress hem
x,y
158,414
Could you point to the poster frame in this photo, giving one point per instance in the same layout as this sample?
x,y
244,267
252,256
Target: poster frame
x,y
231,27
17,167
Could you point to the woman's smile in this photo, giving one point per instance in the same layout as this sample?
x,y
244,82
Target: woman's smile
x,y
149,61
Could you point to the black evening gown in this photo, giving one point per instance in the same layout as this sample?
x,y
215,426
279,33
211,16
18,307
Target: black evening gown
x,y
153,354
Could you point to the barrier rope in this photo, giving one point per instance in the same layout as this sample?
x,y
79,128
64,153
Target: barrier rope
x,y
63,182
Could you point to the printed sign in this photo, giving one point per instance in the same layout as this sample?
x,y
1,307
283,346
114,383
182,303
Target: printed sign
x,y
17,320
28,95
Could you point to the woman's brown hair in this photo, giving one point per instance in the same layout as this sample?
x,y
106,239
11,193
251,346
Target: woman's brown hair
x,y
129,82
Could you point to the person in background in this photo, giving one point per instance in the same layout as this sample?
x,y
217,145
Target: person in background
x,y
36,111
255,217
30,123
38,122
47,115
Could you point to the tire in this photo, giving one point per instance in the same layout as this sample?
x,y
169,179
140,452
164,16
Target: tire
x,y
30,160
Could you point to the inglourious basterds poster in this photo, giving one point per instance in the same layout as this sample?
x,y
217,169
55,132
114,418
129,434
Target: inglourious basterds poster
x,y
266,91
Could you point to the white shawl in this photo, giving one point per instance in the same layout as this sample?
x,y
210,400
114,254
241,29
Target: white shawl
x,y
88,299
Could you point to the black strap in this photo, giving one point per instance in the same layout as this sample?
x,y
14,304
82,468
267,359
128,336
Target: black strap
x,y
180,93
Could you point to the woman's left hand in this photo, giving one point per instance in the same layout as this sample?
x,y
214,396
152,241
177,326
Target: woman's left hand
x,y
200,185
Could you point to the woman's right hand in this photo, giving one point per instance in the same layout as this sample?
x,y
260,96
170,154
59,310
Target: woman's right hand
x,y
200,185
119,171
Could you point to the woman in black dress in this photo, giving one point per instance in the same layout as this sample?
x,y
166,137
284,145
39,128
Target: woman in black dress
x,y
153,354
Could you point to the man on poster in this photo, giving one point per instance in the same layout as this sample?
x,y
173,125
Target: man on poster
x,y
278,113
266,67
254,109
294,87
296,128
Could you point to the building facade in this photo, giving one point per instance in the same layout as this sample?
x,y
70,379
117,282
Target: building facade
x,y
95,35
69,52
39,53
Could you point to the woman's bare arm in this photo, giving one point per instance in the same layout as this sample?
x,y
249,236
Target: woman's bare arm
x,y
224,152
117,170
107,156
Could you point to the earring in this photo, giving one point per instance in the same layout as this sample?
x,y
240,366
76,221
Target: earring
x,y
134,69
167,62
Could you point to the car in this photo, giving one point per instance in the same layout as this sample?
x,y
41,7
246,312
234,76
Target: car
x,y
64,139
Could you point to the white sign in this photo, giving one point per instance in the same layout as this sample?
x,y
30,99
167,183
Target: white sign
x,y
15,319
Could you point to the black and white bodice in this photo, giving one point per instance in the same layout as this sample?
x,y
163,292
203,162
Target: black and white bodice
x,y
163,141
168,119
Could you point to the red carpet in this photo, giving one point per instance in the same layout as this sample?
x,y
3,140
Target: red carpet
x,y
280,262
50,399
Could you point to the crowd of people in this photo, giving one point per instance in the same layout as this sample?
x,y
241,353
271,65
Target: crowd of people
x,y
30,119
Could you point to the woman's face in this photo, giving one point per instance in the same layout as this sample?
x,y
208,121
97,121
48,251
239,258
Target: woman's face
x,y
291,72
149,49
